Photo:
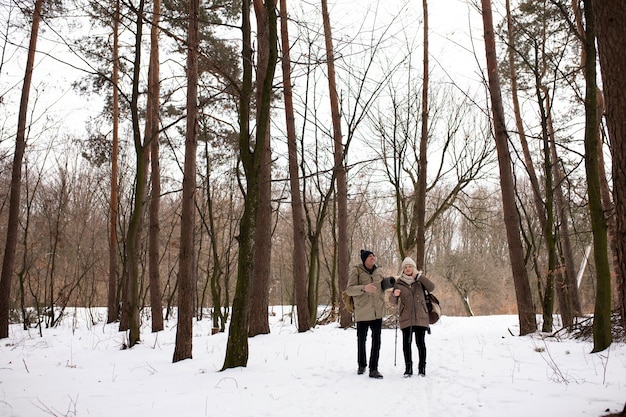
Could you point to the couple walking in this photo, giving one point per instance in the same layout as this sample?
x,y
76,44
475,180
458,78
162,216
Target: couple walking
x,y
367,286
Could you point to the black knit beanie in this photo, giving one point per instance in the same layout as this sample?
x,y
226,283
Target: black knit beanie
x,y
365,254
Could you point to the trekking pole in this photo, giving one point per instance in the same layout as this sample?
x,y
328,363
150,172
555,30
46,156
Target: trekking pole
x,y
395,349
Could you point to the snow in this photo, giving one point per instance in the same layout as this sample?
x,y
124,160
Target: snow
x,y
475,367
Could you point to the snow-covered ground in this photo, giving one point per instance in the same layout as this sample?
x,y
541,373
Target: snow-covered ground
x,y
475,368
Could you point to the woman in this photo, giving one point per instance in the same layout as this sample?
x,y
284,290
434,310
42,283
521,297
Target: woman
x,y
408,294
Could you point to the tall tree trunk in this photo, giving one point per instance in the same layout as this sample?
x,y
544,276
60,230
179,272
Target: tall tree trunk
x,y
112,299
609,210
259,304
134,226
237,344
607,18
548,229
299,234
343,257
152,141
564,272
217,271
186,269
8,262
251,158
540,207
526,311
609,213
123,326
313,275
519,123
422,167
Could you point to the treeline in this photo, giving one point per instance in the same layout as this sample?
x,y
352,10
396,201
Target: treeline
x,y
246,152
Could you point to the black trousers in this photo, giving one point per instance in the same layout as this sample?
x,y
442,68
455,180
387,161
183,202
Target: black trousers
x,y
407,335
362,328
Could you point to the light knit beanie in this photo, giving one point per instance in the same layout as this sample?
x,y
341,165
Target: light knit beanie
x,y
408,261
408,278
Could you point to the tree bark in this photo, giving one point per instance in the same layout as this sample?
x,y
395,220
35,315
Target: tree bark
x,y
519,123
343,258
604,186
112,299
422,167
564,277
299,234
541,208
186,264
8,262
134,226
607,18
259,304
152,141
237,344
548,229
526,311
219,321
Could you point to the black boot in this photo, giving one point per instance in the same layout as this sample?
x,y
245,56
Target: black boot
x,y
375,374
422,369
408,370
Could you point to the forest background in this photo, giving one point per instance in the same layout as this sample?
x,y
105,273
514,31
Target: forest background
x,y
109,120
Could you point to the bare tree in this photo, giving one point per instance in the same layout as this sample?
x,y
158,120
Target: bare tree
x,y
186,275
152,138
131,299
462,162
8,261
602,19
537,35
526,311
237,345
219,217
112,299
564,278
299,234
319,172
422,166
343,260
259,322
251,158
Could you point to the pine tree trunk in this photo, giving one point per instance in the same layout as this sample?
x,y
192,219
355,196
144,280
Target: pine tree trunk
x,y
152,142
422,167
564,273
526,311
609,209
237,344
112,298
134,226
548,229
8,262
259,303
186,261
607,18
299,235
343,258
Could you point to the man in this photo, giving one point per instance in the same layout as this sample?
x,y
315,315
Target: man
x,y
367,285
